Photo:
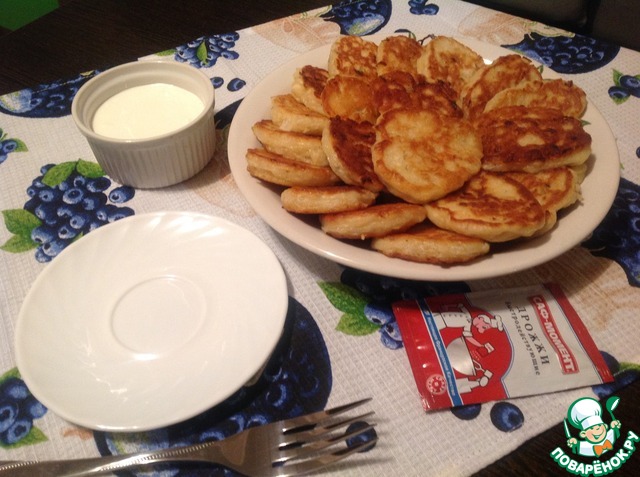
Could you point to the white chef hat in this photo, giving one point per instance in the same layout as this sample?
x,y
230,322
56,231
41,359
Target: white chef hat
x,y
585,413
495,322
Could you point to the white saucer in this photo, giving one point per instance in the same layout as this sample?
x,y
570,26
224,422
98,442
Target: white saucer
x,y
150,320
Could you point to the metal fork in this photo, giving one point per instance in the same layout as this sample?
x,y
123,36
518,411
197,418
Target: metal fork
x,y
285,448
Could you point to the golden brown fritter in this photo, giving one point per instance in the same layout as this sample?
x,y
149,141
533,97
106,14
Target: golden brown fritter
x,y
398,53
420,155
490,207
349,97
279,170
505,72
426,243
326,200
556,94
374,221
446,59
292,145
347,145
308,83
353,56
289,114
517,138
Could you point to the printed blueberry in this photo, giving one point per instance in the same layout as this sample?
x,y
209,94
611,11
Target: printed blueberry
x,y
53,248
204,52
47,212
468,412
33,190
631,84
423,7
49,195
93,201
3,157
120,213
8,414
388,341
622,379
363,437
121,194
99,184
41,257
66,210
17,431
43,234
44,169
236,84
73,195
360,17
257,420
14,388
33,408
79,220
506,416
567,54
8,145
78,180
379,313
217,81
612,363
278,396
638,152
102,214
66,232
393,330
46,100
618,92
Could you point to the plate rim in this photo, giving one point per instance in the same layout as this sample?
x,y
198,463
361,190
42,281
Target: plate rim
x,y
350,255
27,368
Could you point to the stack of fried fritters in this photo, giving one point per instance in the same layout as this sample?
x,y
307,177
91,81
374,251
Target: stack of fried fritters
x,y
425,149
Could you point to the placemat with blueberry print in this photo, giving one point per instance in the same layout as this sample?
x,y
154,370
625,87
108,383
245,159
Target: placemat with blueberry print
x,y
341,341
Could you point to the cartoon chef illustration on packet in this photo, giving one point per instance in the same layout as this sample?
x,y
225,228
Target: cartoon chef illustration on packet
x,y
585,414
466,359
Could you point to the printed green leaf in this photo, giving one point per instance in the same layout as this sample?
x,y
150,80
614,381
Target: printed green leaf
x,y
616,77
35,436
18,244
12,373
201,52
344,298
620,100
21,146
629,366
20,221
91,170
59,173
166,52
356,325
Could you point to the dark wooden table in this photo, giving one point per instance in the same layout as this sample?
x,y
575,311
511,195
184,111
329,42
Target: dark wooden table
x,y
95,34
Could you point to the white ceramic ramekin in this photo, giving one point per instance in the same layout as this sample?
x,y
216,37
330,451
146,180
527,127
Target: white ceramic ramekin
x,y
161,160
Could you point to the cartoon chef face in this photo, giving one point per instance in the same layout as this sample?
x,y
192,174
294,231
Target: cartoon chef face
x,y
595,434
484,322
586,414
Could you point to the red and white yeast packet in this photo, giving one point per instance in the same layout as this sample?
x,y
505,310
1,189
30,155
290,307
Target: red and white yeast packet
x,y
490,345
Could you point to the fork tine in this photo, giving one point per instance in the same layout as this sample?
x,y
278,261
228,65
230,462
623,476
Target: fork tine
x,y
293,468
318,431
291,425
310,448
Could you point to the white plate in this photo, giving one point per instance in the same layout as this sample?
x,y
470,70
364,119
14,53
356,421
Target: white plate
x,y
599,190
150,320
